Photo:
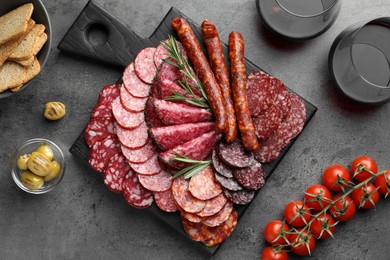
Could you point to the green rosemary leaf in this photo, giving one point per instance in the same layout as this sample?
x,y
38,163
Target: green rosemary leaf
x,y
195,170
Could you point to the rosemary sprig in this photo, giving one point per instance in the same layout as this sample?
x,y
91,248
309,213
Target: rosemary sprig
x,y
188,172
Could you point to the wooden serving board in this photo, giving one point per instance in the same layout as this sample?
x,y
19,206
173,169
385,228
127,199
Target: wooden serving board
x,y
120,48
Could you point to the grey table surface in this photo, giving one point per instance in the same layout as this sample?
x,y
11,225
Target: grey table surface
x,y
82,219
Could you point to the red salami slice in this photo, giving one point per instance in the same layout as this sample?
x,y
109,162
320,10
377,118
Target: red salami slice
x,y
133,192
98,129
161,181
172,113
101,152
130,103
125,118
150,167
282,98
267,122
235,155
197,149
220,217
133,138
168,137
269,149
260,96
116,170
241,197
108,94
213,206
251,177
228,183
220,166
140,155
184,198
165,201
203,185
196,231
102,111
190,216
167,71
296,117
133,84
144,65
220,233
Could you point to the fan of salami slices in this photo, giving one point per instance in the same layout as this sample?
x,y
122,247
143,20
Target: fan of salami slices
x,y
134,133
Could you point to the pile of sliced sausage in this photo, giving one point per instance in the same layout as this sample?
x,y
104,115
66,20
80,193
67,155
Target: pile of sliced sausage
x,y
134,133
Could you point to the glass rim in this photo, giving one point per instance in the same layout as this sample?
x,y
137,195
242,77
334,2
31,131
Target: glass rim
x,y
307,16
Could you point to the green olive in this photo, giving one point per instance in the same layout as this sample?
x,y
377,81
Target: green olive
x,y
22,161
55,110
46,150
31,181
55,170
39,164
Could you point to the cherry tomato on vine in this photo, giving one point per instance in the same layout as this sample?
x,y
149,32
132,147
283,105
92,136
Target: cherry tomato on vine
x,y
366,197
297,213
368,163
335,177
275,231
323,226
344,209
383,182
269,254
317,197
302,244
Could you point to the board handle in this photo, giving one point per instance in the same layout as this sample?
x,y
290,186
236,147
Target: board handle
x,y
101,36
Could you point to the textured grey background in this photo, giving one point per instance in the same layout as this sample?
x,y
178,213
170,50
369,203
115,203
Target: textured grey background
x,y
82,219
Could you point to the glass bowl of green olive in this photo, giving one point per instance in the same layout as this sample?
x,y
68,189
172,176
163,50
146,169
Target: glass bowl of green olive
x,y
38,166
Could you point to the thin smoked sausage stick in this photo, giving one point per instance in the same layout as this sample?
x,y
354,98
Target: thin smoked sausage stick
x,y
238,74
217,61
202,67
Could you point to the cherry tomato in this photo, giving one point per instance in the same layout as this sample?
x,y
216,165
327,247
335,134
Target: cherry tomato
x,y
323,226
297,214
383,182
301,243
366,197
344,209
269,254
370,165
317,197
274,232
335,177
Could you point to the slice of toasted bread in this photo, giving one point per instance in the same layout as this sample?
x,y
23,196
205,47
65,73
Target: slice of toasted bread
x,y
14,23
32,70
16,88
26,46
39,44
26,62
11,75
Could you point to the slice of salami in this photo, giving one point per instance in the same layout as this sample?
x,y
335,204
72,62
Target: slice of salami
x,y
165,201
220,166
196,149
251,177
133,192
125,118
139,155
102,111
295,120
196,231
235,155
108,94
167,71
203,185
133,84
241,197
213,206
220,217
228,183
133,138
116,170
172,113
282,98
102,151
259,95
98,129
144,65
150,167
270,148
191,216
267,122
183,197
131,103
161,181
220,233
151,117
168,137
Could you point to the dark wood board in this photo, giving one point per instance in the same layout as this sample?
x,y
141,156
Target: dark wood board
x,y
119,50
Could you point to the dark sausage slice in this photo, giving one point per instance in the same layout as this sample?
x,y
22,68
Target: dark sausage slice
x,y
217,61
238,74
202,68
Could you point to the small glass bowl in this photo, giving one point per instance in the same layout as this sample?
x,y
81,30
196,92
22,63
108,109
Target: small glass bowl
x,y
27,148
